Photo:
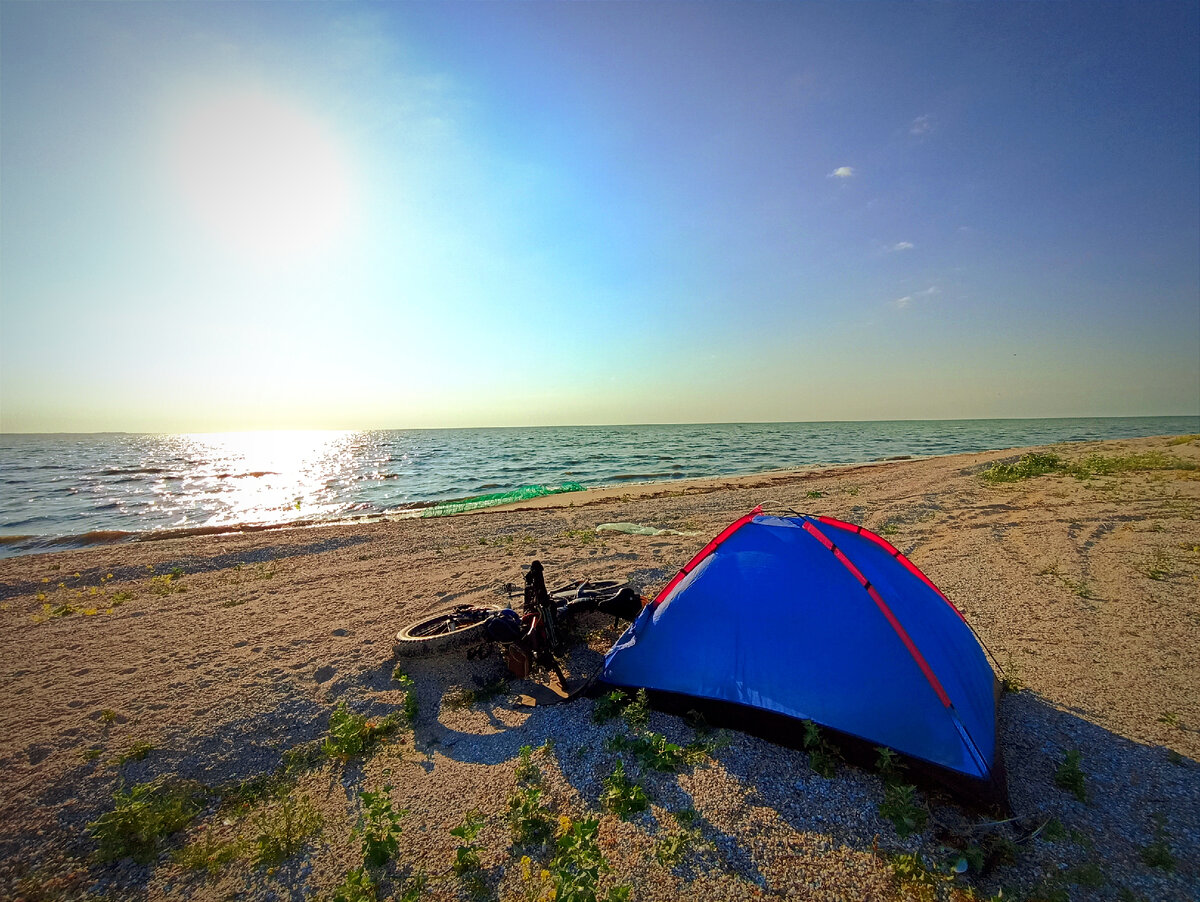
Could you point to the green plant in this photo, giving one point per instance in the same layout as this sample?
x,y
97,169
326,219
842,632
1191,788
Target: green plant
x,y
527,771
609,706
356,887
823,755
900,806
209,853
814,493
1070,777
1183,439
91,754
888,764
380,827
136,752
889,527
1161,567
466,698
1171,719
142,817
654,751
467,864
1034,463
527,817
621,796
1090,875
578,862
1158,853
1054,831
637,713
414,888
352,734
674,847
284,828
1011,680
910,871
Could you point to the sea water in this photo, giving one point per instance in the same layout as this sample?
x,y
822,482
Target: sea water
x,y
69,490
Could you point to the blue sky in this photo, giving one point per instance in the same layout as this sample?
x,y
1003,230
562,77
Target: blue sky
x,y
253,216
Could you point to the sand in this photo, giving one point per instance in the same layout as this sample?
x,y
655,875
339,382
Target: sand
x,y
1086,590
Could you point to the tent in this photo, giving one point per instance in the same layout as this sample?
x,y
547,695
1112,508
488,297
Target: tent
x,y
782,619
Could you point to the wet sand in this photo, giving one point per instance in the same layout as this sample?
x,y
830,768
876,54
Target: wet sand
x,y
1088,591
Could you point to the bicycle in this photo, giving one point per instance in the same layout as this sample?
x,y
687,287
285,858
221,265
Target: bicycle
x,y
528,635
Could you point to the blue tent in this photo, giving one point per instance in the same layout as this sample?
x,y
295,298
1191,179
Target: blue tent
x,y
784,619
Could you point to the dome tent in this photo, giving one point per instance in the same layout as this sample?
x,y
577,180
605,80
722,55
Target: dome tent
x,y
784,619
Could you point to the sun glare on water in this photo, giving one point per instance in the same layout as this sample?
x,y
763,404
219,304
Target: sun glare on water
x,y
261,174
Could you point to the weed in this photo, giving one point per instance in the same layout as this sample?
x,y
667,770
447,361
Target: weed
x,y
414,889
888,763
609,706
1158,853
1011,681
654,752
527,818
621,796
138,751
671,850
356,887
901,808
637,713
1160,568
466,698
1090,875
1171,719
814,493
352,734
142,817
208,853
467,863
527,771
1183,439
1082,588
889,527
823,755
1054,831
166,584
108,715
283,830
583,536
578,862
909,871
1039,464
233,603
302,757
91,754
119,598
1070,777
380,827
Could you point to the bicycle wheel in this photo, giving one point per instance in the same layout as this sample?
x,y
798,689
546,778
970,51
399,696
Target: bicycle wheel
x,y
441,632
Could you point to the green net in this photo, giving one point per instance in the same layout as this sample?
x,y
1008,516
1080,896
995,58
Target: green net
x,y
524,493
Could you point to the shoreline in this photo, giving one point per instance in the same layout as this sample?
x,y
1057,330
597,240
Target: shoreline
x,y
228,651
21,545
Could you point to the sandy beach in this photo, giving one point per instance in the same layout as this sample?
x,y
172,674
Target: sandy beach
x,y
211,659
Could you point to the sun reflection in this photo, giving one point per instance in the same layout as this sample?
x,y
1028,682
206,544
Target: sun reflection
x,y
268,477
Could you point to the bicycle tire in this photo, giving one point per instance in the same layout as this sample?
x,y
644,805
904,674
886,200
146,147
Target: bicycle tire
x,y
436,633
600,588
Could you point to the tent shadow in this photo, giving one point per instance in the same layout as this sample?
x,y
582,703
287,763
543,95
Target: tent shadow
x,y
1135,793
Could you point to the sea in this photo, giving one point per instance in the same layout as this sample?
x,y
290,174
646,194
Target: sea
x,y
63,491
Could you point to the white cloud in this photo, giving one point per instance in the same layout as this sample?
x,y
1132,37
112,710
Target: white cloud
x,y
901,246
909,299
921,125
842,172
